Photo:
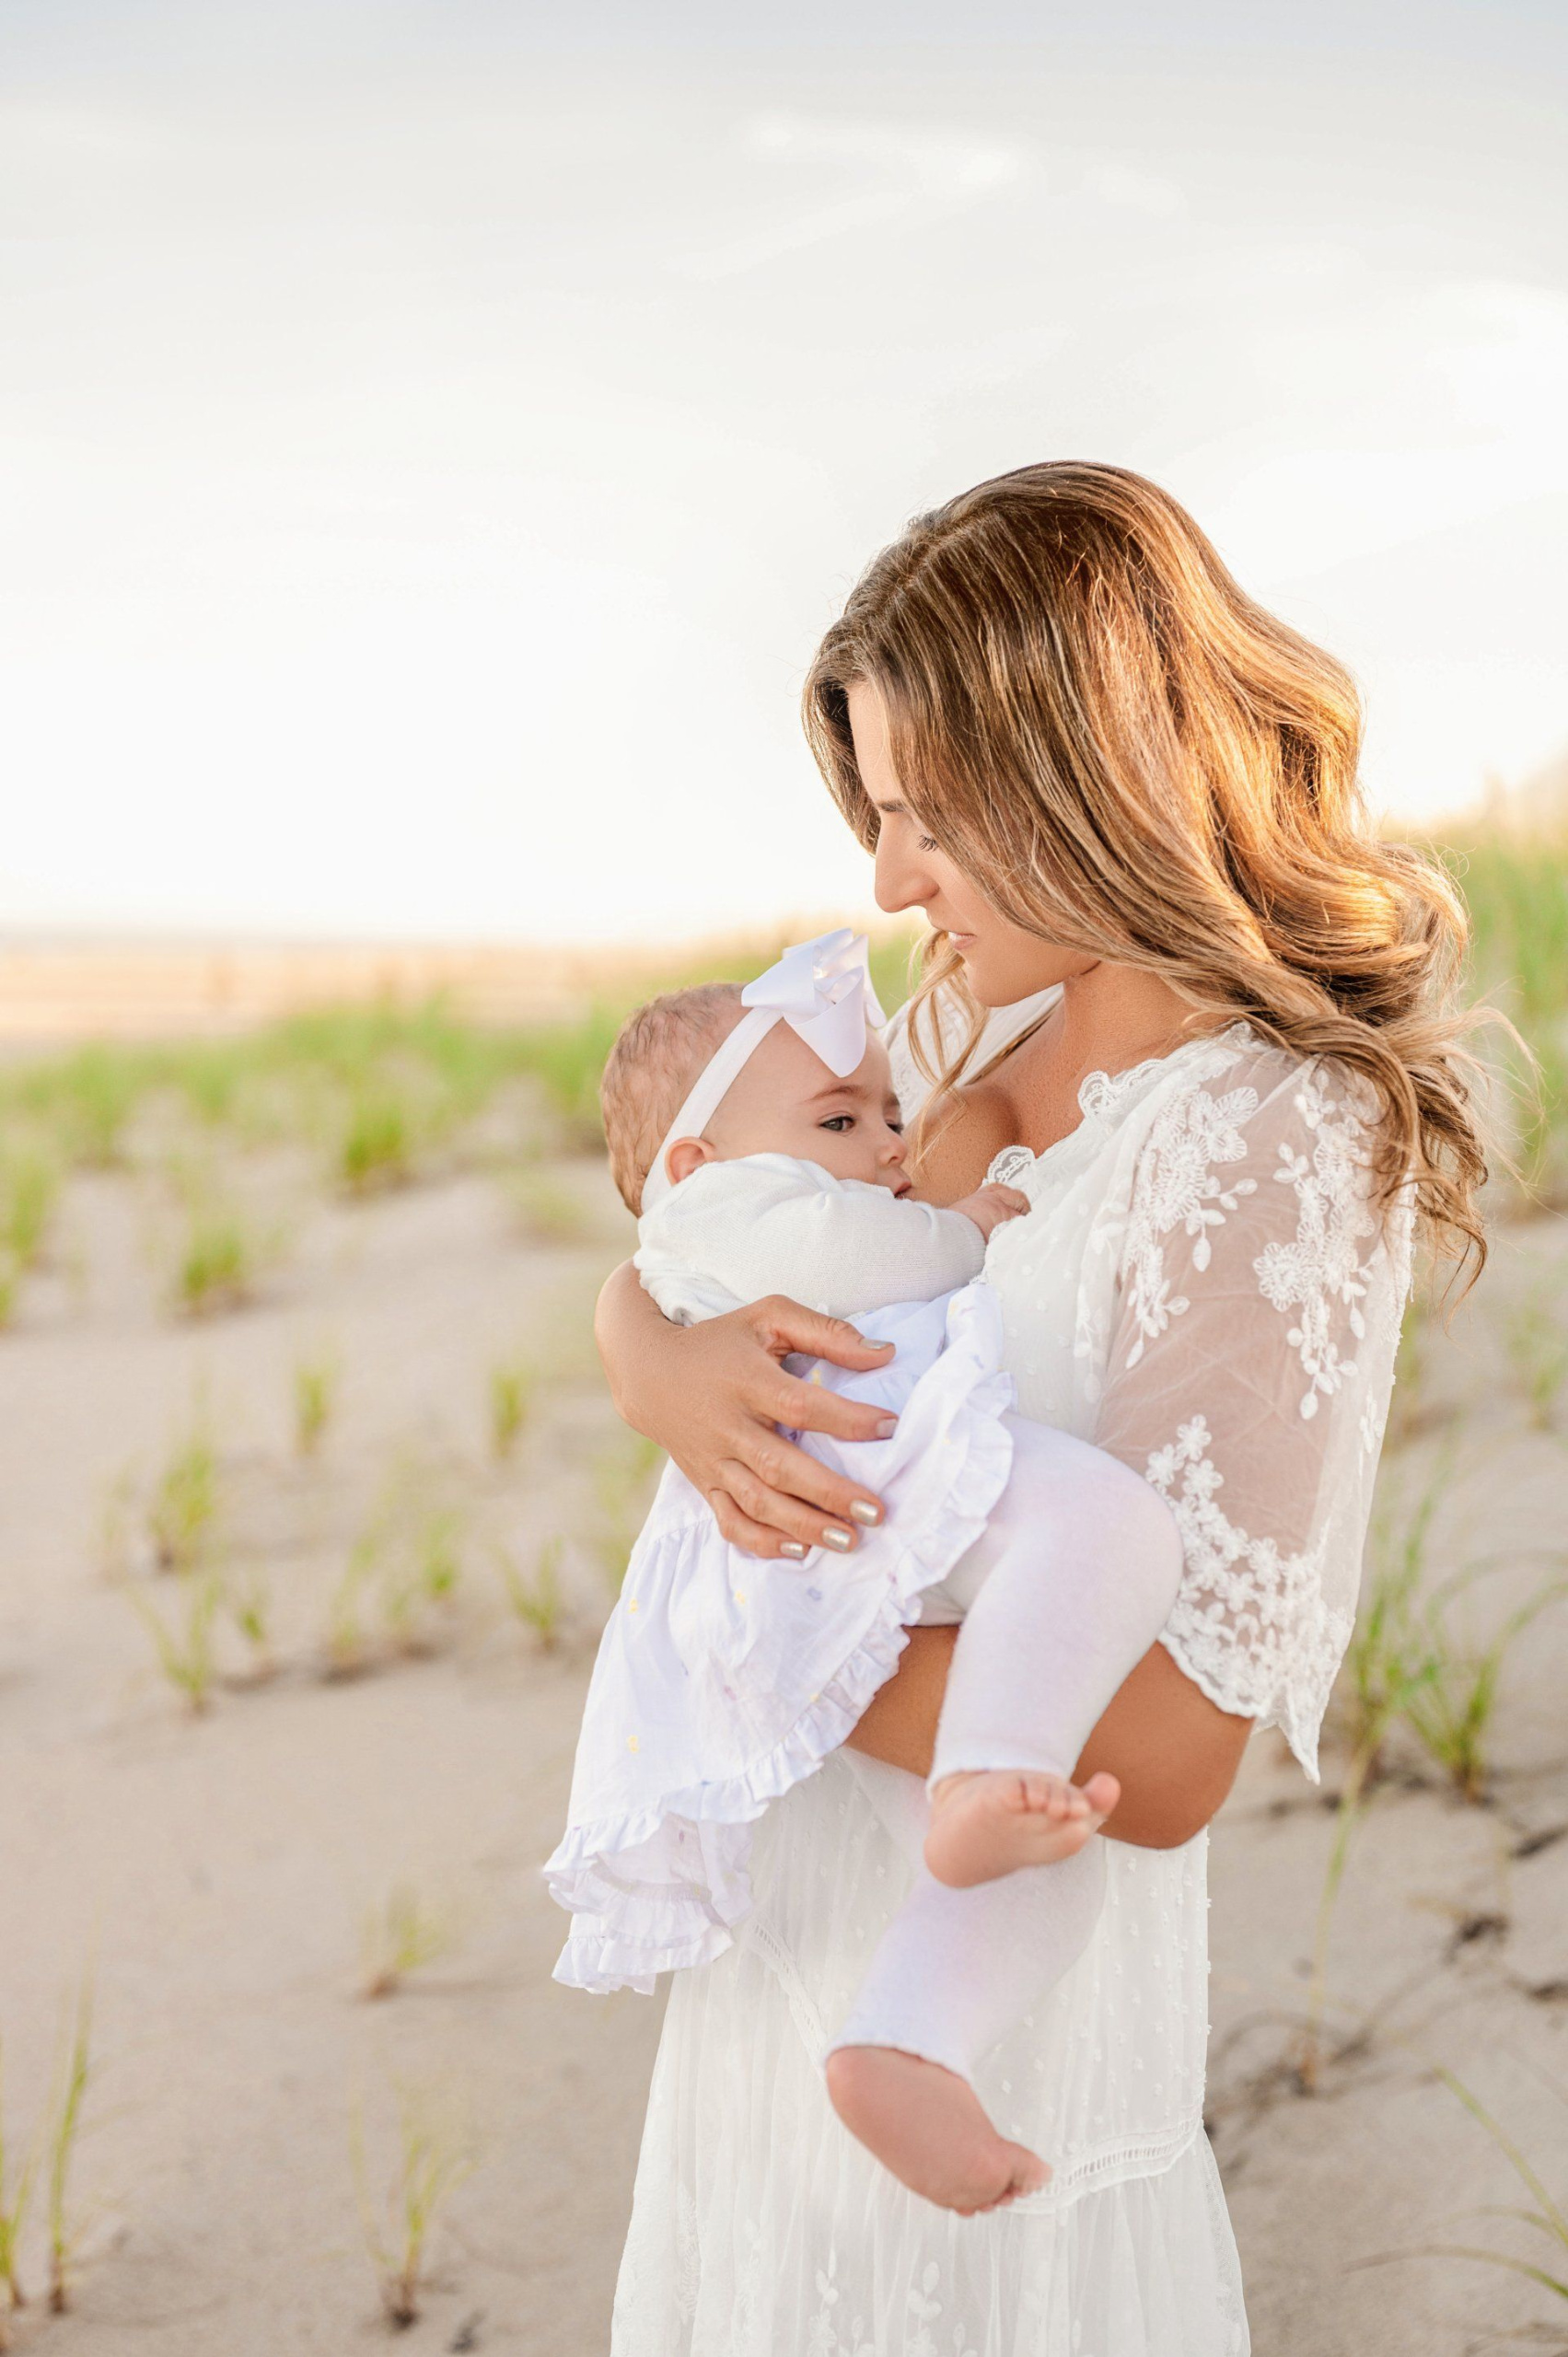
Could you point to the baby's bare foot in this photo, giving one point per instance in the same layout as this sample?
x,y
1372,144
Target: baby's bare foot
x,y
929,2127
992,1822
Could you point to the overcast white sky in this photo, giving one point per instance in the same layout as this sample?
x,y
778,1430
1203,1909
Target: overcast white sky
x,y
435,434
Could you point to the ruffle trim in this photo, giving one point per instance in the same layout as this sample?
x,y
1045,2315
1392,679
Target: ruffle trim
x,y
629,1880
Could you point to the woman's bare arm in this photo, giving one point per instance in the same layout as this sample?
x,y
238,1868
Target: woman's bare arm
x,y
1174,1753
714,1395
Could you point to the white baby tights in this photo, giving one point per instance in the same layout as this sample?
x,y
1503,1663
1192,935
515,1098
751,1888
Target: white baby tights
x,y
1076,1574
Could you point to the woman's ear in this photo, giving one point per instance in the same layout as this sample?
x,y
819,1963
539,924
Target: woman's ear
x,y
686,1156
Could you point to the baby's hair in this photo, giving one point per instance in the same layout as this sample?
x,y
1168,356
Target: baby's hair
x,y
649,1071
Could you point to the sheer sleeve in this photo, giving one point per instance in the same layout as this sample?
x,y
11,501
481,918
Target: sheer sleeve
x,y
1258,1303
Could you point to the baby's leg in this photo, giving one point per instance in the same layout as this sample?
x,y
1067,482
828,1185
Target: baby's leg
x,y
953,1973
1081,1563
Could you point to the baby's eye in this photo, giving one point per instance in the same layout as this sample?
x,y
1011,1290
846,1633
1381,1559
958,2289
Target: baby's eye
x,y
838,1121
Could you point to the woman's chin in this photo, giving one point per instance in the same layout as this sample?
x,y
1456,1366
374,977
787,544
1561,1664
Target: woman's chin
x,y
990,987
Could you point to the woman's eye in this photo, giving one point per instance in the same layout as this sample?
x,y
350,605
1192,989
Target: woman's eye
x,y
927,842
838,1122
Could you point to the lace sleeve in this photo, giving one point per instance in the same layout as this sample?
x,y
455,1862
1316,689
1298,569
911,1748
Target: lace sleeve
x,y
1251,1361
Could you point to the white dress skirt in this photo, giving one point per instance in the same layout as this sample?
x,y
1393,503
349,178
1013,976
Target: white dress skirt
x,y
1202,1288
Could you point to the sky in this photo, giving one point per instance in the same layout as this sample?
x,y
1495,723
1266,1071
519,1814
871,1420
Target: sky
x,y
434,434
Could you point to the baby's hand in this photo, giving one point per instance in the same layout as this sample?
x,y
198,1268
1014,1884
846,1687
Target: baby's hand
x,y
989,1206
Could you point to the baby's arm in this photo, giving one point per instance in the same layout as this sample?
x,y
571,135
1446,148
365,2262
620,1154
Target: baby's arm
x,y
844,1250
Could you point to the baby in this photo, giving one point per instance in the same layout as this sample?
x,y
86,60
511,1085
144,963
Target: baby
x,y
758,1134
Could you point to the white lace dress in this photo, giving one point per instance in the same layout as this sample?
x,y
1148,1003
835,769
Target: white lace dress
x,y
1200,1288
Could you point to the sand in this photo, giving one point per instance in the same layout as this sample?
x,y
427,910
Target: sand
x,y
212,1872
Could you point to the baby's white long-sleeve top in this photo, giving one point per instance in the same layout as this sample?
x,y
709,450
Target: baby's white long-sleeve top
x,y
734,1231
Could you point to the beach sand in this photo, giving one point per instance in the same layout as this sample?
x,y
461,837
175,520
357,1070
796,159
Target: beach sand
x,y
211,1874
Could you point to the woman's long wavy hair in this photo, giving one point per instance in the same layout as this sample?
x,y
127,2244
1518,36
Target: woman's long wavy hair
x,y
1129,757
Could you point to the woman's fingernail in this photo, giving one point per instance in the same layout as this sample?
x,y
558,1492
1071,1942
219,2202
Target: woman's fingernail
x,y
794,1551
834,1537
887,1428
863,1511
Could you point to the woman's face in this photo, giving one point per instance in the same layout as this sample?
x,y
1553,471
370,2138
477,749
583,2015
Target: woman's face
x,y
1001,962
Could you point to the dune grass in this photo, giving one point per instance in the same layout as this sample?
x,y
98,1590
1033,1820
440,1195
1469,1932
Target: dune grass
x,y
1544,2214
314,1394
420,1577
30,1190
345,1645
221,1249
16,2181
1515,888
182,1635
64,2132
433,2158
401,1575
535,1595
183,1513
248,1598
512,1385
1452,1709
400,1936
88,1100
1408,1669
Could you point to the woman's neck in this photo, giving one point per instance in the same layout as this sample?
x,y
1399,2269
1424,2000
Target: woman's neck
x,y
1112,1017
1106,1019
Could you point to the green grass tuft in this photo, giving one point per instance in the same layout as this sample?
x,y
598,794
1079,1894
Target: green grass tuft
x,y
536,1596
432,2159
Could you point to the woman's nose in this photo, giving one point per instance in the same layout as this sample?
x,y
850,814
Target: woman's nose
x,y
897,881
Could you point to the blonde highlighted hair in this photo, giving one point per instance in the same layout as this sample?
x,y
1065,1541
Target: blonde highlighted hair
x,y
1129,757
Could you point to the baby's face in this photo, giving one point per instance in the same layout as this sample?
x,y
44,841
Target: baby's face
x,y
785,1100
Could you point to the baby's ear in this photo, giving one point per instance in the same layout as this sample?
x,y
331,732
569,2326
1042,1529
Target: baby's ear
x,y
686,1156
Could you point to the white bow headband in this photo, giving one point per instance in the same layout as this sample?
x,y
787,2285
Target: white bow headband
x,y
822,990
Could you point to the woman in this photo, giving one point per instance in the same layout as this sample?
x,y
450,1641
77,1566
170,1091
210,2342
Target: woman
x,y
1178,993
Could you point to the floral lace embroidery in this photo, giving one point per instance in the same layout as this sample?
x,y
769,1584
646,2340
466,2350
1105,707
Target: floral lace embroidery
x,y
1321,1266
822,2336
1012,1165
1181,1189
1250,1625
925,2308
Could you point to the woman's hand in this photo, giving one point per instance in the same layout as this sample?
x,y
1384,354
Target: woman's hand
x,y
714,1395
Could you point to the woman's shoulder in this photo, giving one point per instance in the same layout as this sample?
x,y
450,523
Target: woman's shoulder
x,y
1265,1135
1263,1085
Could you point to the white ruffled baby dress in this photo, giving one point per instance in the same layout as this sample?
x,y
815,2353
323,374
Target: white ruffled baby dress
x,y
723,1680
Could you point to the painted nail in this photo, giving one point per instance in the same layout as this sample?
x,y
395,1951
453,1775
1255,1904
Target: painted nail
x,y
863,1511
840,1540
887,1428
794,1551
